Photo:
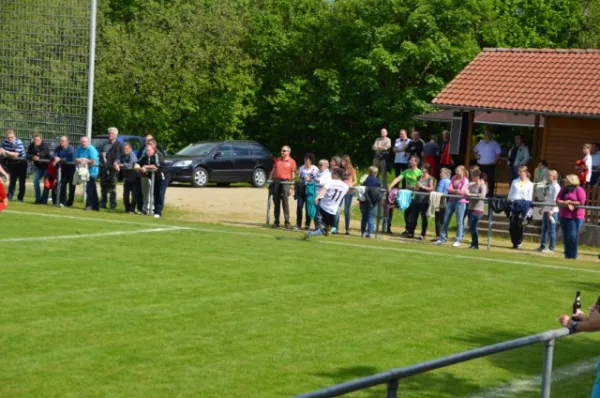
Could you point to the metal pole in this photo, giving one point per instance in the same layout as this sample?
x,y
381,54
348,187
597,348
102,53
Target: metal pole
x,y
58,182
547,375
490,224
269,207
378,220
392,389
151,195
92,61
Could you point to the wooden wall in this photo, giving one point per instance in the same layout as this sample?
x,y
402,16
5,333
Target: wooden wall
x,y
563,141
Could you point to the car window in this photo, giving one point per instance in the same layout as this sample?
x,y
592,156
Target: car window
x,y
259,150
197,149
226,149
241,149
136,145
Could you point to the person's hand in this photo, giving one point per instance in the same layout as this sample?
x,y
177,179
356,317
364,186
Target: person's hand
x,y
57,160
137,166
35,157
117,167
565,321
594,314
316,201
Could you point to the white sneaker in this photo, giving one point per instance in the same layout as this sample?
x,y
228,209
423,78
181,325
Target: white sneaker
x,y
157,216
456,244
438,243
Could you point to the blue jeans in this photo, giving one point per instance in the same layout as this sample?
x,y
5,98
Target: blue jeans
x,y
451,208
596,390
39,196
549,229
92,194
347,202
368,219
570,229
473,224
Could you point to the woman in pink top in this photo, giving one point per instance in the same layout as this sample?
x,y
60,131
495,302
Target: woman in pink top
x,y
571,217
458,186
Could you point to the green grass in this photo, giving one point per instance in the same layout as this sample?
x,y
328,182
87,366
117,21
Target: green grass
x,y
204,312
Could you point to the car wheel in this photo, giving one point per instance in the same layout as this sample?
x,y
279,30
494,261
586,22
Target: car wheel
x,y
259,178
199,177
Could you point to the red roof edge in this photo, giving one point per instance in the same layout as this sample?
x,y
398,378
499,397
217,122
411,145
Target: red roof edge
x,y
542,50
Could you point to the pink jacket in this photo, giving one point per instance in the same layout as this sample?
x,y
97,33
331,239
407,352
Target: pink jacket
x,y
462,186
578,195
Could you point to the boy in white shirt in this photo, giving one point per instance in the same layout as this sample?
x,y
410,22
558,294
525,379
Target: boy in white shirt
x,y
329,199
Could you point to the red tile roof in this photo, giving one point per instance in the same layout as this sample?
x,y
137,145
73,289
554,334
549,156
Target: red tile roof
x,y
544,81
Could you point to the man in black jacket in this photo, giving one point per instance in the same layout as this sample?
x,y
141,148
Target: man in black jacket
x,y
39,152
109,154
152,165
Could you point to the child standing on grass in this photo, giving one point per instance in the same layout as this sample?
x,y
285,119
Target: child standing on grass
x,y
442,188
477,189
329,199
369,205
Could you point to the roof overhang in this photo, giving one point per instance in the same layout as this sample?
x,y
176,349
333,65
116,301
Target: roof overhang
x,y
484,117
459,108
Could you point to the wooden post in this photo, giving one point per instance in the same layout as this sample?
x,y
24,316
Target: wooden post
x,y
535,152
470,139
545,138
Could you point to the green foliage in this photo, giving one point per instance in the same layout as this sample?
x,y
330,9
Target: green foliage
x,y
322,76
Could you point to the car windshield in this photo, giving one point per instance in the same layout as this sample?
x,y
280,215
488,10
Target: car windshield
x,y
98,142
197,149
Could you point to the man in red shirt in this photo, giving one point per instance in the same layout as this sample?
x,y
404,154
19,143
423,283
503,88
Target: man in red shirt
x,y
3,198
284,170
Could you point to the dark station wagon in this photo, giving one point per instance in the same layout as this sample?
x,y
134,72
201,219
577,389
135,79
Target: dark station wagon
x,y
222,162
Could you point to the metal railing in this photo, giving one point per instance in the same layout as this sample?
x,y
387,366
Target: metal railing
x,y
487,200
391,378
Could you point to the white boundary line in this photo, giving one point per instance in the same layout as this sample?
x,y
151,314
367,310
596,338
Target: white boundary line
x,y
258,234
80,236
518,387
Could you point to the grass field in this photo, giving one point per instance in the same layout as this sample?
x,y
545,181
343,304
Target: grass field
x,y
115,305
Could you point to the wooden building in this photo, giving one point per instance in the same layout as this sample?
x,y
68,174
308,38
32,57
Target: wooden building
x,y
559,87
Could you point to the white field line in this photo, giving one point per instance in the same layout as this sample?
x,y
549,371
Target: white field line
x,y
95,235
518,387
463,257
322,241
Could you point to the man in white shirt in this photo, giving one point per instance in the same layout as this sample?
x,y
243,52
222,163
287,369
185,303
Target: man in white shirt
x,y
595,164
329,199
487,152
401,152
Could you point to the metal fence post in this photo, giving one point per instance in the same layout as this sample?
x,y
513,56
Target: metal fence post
x,y
547,375
490,224
392,389
378,220
268,207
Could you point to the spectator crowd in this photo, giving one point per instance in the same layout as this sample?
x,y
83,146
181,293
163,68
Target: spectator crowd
x,y
428,184
58,172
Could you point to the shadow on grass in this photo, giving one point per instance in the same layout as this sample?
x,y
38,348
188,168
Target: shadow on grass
x,y
437,384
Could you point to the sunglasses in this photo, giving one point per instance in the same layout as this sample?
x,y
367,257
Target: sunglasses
x,y
284,150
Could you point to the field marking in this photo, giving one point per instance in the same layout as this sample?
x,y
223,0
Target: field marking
x,y
94,235
462,256
515,388
361,246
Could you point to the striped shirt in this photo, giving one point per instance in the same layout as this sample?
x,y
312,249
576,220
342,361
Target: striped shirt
x,y
16,146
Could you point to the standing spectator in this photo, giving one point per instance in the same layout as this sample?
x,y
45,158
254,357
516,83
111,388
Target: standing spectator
x,y
487,152
111,151
153,163
416,145
15,160
571,217
39,153
458,186
3,197
307,172
401,153
323,176
381,160
518,156
132,185
442,188
87,155
350,180
477,189
595,164
421,202
431,155
446,160
541,180
335,163
284,170
150,140
369,205
64,152
550,213
585,167
520,195
411,176
329,199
